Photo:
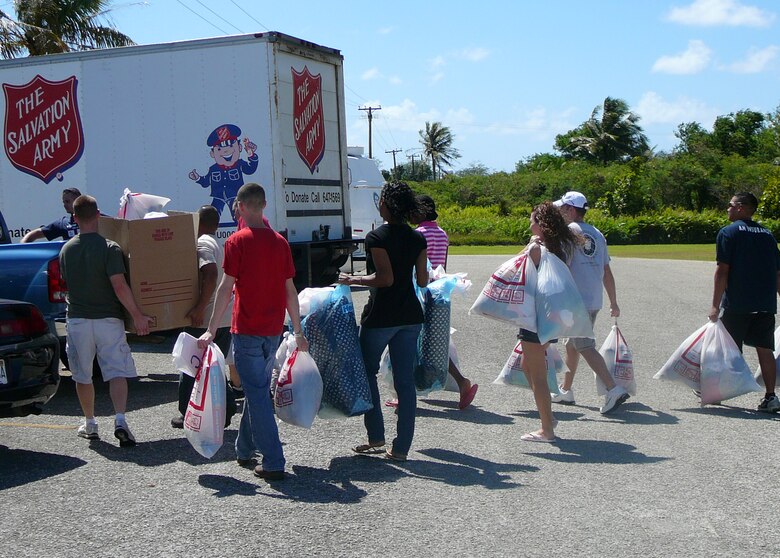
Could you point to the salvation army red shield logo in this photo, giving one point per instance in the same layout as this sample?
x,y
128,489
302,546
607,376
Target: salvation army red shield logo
x,y
43,134
308,119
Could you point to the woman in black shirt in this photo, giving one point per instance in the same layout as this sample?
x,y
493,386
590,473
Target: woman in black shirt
x,y
393,316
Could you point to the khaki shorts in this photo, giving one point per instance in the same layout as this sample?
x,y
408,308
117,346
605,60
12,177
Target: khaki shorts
x,y
582,343
106,339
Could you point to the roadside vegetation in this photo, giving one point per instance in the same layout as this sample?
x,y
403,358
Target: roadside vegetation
x,y
637,196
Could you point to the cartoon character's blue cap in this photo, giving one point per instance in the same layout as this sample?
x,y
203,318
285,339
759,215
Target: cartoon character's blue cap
x,y
225,132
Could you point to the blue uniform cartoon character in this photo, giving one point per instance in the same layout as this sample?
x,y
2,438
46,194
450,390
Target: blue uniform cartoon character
x,y
226,175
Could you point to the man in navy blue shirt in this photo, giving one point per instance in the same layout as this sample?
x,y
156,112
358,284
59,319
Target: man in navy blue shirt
x,y
64,228
747,281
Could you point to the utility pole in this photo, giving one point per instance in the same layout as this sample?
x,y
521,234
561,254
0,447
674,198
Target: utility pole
x,y
412,156
370,111
394,151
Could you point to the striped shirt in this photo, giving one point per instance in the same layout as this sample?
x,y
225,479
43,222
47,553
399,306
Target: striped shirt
x,y
437,240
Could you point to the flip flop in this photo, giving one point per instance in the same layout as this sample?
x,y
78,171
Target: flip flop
x,y
468,397
395,456
370,448
391,403
534,437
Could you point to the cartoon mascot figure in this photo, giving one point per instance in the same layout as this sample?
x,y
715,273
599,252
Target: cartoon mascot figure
x,y
226,175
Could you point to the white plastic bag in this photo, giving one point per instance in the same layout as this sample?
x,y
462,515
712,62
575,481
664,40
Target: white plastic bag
x,y
512,374
136,206
509,294
560,311
187,357
685,363
619,360
760,377
204,422
298,390
724,371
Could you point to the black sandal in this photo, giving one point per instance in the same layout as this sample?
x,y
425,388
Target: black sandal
x,y
370,448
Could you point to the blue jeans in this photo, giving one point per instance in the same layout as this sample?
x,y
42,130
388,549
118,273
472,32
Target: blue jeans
x,y
402,341
254,358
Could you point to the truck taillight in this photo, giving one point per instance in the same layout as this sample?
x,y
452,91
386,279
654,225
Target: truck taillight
x,y
57,287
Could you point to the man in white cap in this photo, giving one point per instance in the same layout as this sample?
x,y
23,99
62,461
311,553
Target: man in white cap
x,y
590,268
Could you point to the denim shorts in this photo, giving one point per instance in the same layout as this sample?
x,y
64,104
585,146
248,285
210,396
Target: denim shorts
x,y
531,337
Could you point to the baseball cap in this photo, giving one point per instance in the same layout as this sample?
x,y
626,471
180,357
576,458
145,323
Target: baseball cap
x,y
574,199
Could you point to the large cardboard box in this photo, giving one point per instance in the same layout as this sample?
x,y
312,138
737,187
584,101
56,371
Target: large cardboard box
x,y
162,263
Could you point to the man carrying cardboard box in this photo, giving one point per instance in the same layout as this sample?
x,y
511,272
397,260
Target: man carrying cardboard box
x,y
94,270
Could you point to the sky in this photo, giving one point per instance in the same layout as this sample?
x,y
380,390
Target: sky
x,y
507,76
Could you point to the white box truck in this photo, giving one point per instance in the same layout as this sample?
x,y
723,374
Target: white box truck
x,y
191,121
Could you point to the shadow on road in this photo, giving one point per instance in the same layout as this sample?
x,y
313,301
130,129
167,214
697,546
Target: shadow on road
x,y
598,451
156,453
448,410
628,413
143,392
731,412
20,467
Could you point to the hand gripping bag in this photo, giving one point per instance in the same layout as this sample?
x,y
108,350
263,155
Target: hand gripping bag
x,y
332,333
685,363
187,357
512,374
508,296
298,390
724,371
204,422
619,360
560,311
432,364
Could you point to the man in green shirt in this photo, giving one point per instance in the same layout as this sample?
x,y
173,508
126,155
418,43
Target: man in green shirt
x,y
94,270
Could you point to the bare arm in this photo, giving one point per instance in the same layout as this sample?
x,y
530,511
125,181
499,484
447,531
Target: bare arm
x,y
720,283
535,252
609,286
382,277
208,284
293,309
125,296
224,292
33,235
421,268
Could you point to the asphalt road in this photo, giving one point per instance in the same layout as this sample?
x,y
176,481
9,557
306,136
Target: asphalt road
x,y
661,477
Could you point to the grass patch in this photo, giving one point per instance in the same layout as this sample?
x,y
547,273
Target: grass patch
x,y
697,252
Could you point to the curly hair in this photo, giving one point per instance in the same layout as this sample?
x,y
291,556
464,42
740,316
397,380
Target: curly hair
x,y
400,201
556,235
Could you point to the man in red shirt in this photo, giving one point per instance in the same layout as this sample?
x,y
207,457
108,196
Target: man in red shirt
x,y
258,263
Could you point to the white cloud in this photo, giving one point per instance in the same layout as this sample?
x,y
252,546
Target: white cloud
x,y
692,61
654,109
395,80
436,78
437,62
707,13
755,62
474,54
538,124
372,73
386,30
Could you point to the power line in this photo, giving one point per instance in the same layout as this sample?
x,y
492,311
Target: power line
x,y
249,15
203,18
219,16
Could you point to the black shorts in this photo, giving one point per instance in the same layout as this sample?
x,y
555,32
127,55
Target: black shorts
x,y
755,330
531,336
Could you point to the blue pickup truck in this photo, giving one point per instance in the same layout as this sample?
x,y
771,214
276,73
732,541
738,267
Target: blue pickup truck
x,y
31,272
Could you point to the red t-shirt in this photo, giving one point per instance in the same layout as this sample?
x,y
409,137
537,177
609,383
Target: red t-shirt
x,y
261,262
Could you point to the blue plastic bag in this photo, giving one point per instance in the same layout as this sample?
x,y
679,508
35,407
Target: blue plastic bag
x,y
332,332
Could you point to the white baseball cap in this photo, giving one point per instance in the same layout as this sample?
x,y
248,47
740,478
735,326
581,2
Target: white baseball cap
x,y
574,199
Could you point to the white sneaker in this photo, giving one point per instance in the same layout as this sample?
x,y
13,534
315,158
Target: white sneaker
x,y
123,434
614,398
564,398
88,430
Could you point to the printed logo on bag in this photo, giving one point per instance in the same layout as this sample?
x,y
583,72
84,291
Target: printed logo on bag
x,y
501,289
308,117
283,397
43,136
688,365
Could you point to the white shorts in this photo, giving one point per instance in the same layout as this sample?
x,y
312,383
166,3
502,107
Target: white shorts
x,y
104,337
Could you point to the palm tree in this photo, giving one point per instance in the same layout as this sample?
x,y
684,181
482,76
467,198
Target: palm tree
x,y
612,133
52,26
437,144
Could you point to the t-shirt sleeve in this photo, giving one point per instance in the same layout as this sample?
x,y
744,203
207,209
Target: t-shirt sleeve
x,y
290,265
230,263
374,240
52,230
723,248
115,261
206,253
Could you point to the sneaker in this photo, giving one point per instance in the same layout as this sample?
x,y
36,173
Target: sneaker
x,y
123,434
177,422
614,398
564,398
88,431
268,475
769,404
